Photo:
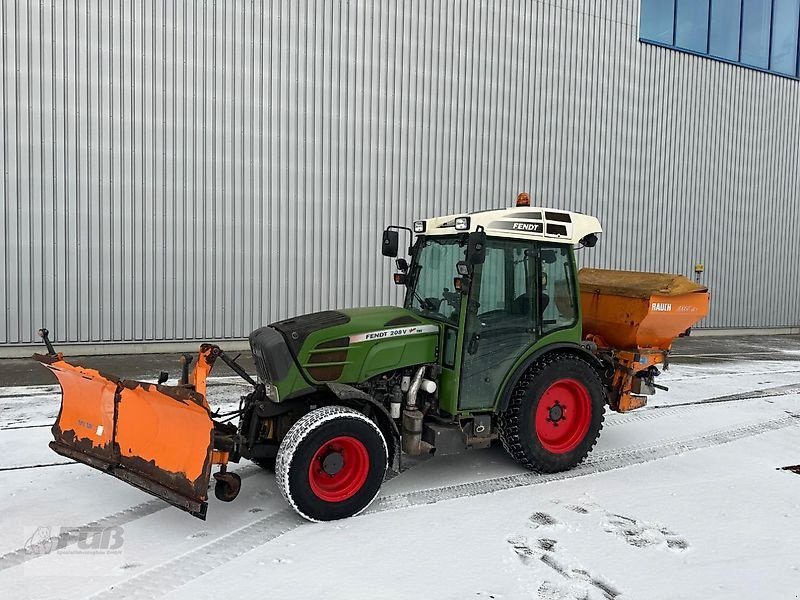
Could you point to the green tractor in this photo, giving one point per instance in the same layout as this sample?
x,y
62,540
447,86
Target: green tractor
x,y
488,347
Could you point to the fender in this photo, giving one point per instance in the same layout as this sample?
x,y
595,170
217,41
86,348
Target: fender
x,y
355,398
576,349
336,393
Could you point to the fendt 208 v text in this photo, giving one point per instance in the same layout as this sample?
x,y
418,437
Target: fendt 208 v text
x,y
500,339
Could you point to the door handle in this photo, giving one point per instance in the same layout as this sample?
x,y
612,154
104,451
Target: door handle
x,y
472,347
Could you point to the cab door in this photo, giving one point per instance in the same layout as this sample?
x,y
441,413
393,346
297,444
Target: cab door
x,y
523,295
501,320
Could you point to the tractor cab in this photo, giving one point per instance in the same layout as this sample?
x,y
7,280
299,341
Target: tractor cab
x,y
498,283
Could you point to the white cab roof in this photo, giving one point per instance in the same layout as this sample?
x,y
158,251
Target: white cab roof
x,y
524,222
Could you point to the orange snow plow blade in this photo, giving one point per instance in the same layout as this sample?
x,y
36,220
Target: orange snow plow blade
x,y
157,438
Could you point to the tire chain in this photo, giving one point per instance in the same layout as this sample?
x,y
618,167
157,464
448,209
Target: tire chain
x,y
508,421
299,431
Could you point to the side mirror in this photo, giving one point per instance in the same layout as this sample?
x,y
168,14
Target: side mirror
x,y
400,279
402,265
461,283
391,241
476,247
589,241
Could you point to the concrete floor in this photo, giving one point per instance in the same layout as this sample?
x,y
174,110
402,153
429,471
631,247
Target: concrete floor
x,y
692,350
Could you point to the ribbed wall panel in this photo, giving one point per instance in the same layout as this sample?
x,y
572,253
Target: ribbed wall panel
x,y
195,168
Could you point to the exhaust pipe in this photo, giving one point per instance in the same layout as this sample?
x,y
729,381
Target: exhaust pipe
x,y
413,389
412,417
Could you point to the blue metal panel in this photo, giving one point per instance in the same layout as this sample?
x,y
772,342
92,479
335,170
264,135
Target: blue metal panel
x,y
784,46
758,34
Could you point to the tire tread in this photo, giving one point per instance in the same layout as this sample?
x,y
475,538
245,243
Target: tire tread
x,y
508,421
299,432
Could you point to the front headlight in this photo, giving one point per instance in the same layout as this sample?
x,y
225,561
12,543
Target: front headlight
x,y
462,223
272,392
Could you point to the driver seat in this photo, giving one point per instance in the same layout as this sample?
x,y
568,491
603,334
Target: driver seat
x,y
522,304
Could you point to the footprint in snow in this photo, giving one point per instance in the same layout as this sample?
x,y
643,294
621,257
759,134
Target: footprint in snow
x,y
677,544
546,544
520,545
641,534
542,519
549,590
581,508
577,584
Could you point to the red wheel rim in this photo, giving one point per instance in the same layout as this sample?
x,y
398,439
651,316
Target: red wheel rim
x,y
338,469
563,416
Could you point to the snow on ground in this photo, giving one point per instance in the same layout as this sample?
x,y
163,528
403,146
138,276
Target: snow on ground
x,y
682,499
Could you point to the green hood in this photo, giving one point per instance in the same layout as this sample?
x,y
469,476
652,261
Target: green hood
x,y
353,345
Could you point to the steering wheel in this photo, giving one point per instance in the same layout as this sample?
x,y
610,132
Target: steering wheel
x,y
491,313
498,331
452,298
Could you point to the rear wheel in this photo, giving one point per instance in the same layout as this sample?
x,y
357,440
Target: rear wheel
x,y
331,463
555,414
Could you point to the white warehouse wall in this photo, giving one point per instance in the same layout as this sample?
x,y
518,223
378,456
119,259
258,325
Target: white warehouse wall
x,y
188,169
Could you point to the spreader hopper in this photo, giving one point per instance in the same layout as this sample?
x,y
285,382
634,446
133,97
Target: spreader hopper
x,y
633,310
633,318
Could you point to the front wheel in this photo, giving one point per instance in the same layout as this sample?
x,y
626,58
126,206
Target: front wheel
x,y
555,414
331,463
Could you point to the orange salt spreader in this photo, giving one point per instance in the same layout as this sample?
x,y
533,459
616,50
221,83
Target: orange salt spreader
x,y
633,318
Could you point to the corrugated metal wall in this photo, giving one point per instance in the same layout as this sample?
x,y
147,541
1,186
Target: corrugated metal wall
x,y
192,169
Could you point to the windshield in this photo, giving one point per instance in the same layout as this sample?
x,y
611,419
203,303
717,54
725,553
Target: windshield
x,y
430,290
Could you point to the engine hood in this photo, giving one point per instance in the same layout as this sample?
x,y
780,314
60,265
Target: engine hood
x,y
354,344
384,322
358,324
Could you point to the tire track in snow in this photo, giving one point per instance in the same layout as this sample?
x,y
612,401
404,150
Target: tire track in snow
x,y
602,462
179,571
721,373
123,517
68,538
128,515
183,569
648,413
39,466
10,427
780,390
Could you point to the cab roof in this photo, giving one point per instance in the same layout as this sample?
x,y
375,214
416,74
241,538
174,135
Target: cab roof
x,y
524,222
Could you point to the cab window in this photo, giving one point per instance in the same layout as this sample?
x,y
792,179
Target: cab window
x,y
558,297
